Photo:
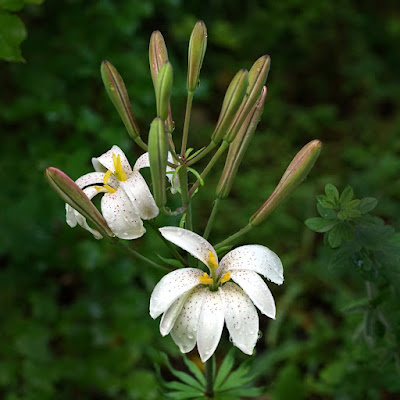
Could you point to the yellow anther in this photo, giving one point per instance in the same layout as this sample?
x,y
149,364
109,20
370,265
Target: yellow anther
x,y
205,279
107,177
226,277
119,172
105,188
110,189
213,260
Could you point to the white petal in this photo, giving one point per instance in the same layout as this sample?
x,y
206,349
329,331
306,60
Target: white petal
x,y
169,317
73,217
142,162
121,216
184,332
90,179
257,290
211,323
241,317
175,183
105,161
139,194
172,286
189,241
254,258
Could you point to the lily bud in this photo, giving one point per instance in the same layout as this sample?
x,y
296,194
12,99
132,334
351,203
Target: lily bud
x,y
197,49
257,77
72,194
295,173
163,90
158,54
158,155
239,146
118,94
232,100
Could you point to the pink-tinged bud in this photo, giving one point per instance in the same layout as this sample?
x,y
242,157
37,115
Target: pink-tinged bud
x,y
197,50
257,77
158,56
118,94
72,194
238,147
295,173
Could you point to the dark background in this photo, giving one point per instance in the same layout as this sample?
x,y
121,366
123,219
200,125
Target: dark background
x,y
74,311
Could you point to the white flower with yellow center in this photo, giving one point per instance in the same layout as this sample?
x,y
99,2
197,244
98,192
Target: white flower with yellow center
x,y
127,198
195,304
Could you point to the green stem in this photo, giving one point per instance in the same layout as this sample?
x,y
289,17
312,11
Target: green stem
x,y
202,154
143,258
140,143
186,123
234,237
212,218
185,196
167,243
209,374
207,169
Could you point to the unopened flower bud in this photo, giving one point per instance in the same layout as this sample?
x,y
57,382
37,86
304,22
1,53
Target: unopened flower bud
x,y
257,77
163,90
295,173
158,155
158,56
72,194
118,94
197,49
232,100
239,146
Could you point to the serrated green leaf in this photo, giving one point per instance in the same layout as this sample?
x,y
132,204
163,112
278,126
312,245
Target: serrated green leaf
x,y
237,378
170,261
195,370
225,368
334,237
320,224
332,193
346,195
12,33
353,213
327,213
182,387
178,395
325,202
367,204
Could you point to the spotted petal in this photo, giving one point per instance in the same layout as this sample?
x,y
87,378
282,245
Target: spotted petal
x,y
169,317
211,323
189,241
241,317
184,332
121,215
90,179
255,258
172,286
105,161
257,290
142,162
140,196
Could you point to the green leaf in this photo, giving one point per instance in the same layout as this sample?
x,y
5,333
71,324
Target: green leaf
x,y
325,202
346,195
12,33
195,370
367,204
332,193
178,395
327,213
247,392
170,261
320,224
353,213
353,204
224,369
238,378
12,5
334,237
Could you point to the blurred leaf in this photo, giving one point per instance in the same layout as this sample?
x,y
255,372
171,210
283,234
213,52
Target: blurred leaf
x,y
367,204
320,224
346,196
12,5
332,193
12,33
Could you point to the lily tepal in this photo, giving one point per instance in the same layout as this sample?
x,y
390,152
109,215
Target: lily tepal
x,y
195,304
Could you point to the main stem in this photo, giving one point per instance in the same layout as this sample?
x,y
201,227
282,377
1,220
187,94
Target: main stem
x,y
212,218
186,123
209,378
183,179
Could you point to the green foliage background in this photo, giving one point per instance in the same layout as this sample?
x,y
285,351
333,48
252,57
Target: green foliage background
x,y
74,311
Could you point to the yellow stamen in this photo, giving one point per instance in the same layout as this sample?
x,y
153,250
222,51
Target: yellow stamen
x,y
212,260
107,176
110,189
119,172
105,188
226,277
205,279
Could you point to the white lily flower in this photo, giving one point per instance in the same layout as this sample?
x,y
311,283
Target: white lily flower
x,y
127,199
195,304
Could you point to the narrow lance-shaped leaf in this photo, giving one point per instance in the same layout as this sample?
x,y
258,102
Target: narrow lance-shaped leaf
x,y
118,94
72,194
295,173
